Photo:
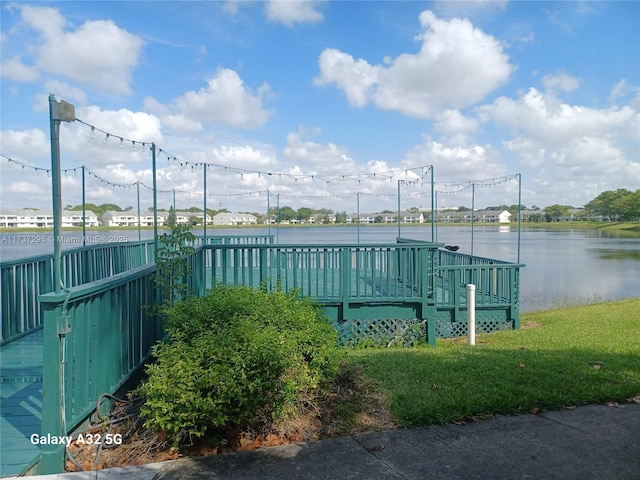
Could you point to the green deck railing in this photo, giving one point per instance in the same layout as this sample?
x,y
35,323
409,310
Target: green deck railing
x,y
497,292
328,273
23,280
95,336
374,290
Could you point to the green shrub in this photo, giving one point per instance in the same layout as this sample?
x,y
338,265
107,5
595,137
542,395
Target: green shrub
x,y
235,358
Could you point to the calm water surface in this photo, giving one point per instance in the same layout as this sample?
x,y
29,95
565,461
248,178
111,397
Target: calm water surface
x,y
563,267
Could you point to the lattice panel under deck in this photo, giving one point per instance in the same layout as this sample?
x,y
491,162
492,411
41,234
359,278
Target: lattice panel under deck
x,y
487,323
381,332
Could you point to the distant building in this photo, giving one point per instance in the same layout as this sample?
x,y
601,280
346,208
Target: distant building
x,y
234,219
25,218
489,216
412,217
386,217
111,218
320,218
130,218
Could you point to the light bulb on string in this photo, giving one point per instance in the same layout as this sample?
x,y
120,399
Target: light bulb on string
x,y
93,133
106,138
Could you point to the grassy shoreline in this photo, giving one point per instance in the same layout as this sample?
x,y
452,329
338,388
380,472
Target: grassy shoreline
x,y
560,358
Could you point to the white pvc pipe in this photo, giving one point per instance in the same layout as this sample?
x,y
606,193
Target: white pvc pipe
x,y
471,313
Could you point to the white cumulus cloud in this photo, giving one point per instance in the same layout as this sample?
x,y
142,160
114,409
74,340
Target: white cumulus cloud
x,y
97,53
457,66
225,100
289,12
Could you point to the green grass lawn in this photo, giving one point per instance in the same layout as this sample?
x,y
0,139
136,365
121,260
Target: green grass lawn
x,y
565,357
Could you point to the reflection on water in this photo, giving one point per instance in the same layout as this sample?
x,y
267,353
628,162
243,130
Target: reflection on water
x,y
610,254
563,267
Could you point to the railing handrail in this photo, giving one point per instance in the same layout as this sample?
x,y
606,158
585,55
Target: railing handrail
x,y
481,265
91,288
70,251
320,246
475,258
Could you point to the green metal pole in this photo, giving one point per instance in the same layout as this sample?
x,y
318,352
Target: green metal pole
x,y
204,218
473,207
519,211
54,124
56,327
278,218
358,215
84,213
174,200
398,208
155,196
269,211
434,236
138,194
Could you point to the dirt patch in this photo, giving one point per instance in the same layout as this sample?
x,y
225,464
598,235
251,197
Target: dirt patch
x,y
349,407
530,324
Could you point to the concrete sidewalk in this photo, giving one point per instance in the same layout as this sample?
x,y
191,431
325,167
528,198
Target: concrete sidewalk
x,y
590,442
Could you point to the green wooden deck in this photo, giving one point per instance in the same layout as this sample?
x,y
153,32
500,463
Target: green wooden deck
x,y
382,293
20,402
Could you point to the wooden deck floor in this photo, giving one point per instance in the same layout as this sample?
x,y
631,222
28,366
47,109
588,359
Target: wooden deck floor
x,y
20,402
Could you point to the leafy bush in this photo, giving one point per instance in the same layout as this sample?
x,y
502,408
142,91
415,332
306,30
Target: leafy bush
x,y
235,358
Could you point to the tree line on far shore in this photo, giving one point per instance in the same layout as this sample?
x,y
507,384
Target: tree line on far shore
x,y
620,204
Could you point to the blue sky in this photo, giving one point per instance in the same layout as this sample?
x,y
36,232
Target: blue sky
x,y
315,91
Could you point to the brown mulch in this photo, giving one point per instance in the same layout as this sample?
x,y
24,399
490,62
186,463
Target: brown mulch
x,y
349,407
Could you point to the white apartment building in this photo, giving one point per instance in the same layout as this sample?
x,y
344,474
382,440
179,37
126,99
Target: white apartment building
x,y
491,216
26,218
130,218
234,219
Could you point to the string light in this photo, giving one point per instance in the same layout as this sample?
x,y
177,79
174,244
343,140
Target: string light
x,y
410,176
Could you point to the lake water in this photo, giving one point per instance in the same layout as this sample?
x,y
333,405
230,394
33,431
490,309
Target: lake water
x,y
563,266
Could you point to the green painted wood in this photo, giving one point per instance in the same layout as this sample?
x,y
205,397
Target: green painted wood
x,y
20,402
388,292
100,314
23,280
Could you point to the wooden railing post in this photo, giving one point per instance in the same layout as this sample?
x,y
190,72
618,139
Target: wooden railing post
x,y
52,421
264,268
514,275
345,283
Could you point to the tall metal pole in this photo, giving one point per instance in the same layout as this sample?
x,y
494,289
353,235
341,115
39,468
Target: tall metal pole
x,y
398,208
358,215
473,207
278,218
433,212
269,211
84,213
204,219
436,238
138,195
155,196
54,123
58,112
519,211
53,385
